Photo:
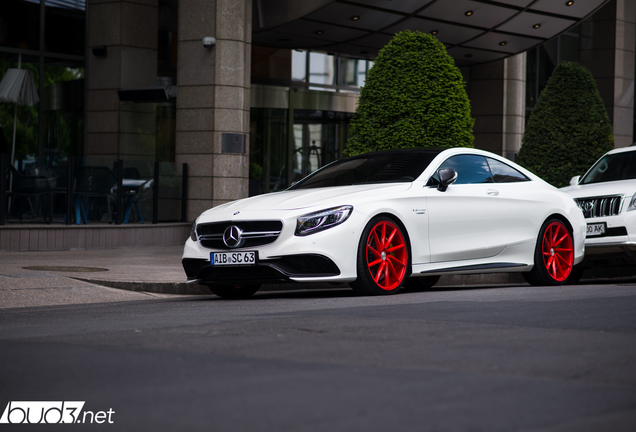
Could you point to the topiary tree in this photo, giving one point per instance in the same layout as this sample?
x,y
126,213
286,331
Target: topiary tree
x,y
414,96
568,129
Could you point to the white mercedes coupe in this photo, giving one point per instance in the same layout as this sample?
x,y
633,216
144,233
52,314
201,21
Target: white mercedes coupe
x,y
385,220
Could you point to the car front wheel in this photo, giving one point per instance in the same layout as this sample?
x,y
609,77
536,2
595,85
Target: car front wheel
x,y
382,259
553,256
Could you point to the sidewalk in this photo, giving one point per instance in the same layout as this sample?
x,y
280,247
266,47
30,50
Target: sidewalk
x,y
92,276
89,276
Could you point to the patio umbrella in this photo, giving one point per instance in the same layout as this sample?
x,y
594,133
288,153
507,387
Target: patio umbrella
x,y
17,86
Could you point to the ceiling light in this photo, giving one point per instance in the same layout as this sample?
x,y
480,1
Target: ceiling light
x,y
319,32
355,18
536,26
503,43
570,3
434,32
468,13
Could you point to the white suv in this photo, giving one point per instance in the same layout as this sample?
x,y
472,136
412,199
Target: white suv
x,y
607,196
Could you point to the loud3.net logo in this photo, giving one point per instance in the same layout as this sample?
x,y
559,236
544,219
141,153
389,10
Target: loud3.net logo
x,y
18,412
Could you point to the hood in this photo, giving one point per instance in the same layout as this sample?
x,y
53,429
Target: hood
x,y
306,198
622,187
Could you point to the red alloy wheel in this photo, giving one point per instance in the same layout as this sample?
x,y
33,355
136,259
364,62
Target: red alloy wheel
x,y
386,255
558,252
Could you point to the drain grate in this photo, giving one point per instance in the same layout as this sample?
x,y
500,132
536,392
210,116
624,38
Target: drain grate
x,y
65,269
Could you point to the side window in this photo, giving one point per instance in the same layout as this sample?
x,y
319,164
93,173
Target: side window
x,y
504,173
471,169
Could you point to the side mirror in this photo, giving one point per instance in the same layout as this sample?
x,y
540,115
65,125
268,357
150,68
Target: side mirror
x,y
447,177
575,180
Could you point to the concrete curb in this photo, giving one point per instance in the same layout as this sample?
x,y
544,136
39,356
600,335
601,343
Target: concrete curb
x,y
196,289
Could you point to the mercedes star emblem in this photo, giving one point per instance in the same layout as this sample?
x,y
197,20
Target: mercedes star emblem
x,y
232,236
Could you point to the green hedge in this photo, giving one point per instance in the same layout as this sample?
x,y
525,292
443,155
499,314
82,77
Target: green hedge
x,y
568,129
414,96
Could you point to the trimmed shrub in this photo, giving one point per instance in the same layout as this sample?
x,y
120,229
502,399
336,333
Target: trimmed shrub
x,y
568,129
414,96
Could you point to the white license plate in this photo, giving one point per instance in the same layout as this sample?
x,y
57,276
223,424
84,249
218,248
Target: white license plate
x,y
596,229
233,258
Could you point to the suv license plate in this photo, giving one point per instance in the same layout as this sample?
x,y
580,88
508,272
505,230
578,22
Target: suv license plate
x,y
596,229
233,258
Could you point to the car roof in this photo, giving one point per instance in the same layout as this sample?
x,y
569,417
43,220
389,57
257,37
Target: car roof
x,y
622,150
428,150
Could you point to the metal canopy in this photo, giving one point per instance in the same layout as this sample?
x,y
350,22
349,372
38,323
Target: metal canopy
x,y
474,31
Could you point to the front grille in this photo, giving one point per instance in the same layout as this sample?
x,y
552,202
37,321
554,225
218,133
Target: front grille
x,y
240,274
593,207
255,233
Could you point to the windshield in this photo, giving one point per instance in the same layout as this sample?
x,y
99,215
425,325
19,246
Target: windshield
x,y
612,167
381,167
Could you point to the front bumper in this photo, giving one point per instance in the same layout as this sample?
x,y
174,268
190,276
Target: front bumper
x,y
326,256
612,254
283,269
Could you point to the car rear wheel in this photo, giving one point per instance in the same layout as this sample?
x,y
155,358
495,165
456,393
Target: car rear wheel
x,y
553,255
383,258
234,291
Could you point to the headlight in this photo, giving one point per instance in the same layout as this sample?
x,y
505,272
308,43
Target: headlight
x,y
322,220
632,204
193,231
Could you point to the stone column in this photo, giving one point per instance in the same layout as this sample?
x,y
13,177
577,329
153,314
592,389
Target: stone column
x,y
213,102
607,50
497,94
514,110
128,30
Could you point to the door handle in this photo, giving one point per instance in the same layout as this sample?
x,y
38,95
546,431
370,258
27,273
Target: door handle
x,y
492,192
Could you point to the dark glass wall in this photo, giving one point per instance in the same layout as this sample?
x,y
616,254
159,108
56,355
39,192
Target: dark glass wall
x,y
20,24
277,160
47,38
542,61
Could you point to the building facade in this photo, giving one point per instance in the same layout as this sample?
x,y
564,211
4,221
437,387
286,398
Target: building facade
x,y
255,94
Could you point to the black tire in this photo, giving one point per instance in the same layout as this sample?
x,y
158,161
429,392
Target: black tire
x,y
416,283
577,274
381,271
234,292
553,255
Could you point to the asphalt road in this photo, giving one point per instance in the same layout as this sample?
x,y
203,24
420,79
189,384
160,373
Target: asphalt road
x,y
453,359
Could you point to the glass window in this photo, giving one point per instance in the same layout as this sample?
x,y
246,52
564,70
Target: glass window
x,y
63,105
613,167
299,65
569,45
268,150
353,72
384,167
504,173
20,24
322,69
26,122
471,169
167,43
65,26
